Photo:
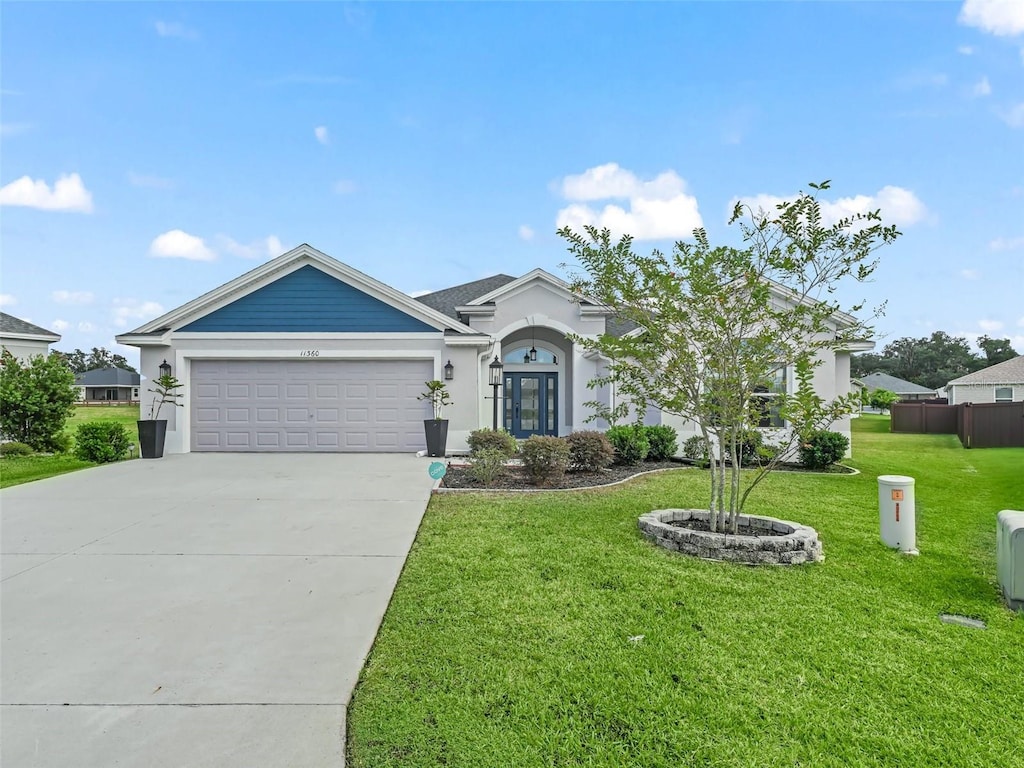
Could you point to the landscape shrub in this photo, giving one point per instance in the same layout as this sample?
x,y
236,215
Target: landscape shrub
x,y
487,465
545,458
589,450
492,439
663,441
631,444
822,449
696,450
15,449
750,448
36,398
101,441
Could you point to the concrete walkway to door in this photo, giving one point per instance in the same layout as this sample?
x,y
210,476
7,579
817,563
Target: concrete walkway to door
x,y
200,610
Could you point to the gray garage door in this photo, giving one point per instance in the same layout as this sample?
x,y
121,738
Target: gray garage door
x,y
308,405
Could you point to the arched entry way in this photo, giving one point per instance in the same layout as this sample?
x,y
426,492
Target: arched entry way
x,y
536,370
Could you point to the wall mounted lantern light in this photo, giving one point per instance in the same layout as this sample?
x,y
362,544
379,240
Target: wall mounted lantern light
x,y
449,371
494,371
165,368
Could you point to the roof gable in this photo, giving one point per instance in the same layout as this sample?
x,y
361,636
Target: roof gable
x,y
15,327
107,377
894,384
308,299
536,276
292,261
1006,372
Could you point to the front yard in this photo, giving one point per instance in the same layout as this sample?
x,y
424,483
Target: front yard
x,y
542,630
15,470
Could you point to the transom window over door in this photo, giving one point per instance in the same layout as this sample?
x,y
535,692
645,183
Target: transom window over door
x,y
522,355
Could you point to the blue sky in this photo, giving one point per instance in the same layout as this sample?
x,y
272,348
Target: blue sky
x,y
151,152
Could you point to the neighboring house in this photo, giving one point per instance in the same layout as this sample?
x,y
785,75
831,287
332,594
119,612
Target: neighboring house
x,y
23,339
305,353
907,390
999,383
108,385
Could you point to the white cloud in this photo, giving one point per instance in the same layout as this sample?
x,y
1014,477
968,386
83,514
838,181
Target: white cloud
x,y
68,194
969,274
322,135
982,88
177,244
898,205
151,182
1004,18
126,310
258,249
175,29
989,326
1006,243
344,187
72,297
965,50
86,327
659,208
1014,116
526,233
7,300
60,325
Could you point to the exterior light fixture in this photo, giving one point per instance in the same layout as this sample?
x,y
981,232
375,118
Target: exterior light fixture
x,y
449,371
165,368
494,371
526,357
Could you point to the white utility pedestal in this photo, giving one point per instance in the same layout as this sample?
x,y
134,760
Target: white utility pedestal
x,y
896,512
1010,556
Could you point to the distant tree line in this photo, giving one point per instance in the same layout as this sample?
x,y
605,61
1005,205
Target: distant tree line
x,y
100,357
932,361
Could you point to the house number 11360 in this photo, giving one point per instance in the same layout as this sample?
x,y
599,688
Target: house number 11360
x,y
309,353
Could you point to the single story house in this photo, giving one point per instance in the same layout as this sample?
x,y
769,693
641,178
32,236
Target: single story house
x,y
999,383
23,339
305,353
108,385
907,390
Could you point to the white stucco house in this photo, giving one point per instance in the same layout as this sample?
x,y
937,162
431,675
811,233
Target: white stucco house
x,y
23,339
999,383
305,353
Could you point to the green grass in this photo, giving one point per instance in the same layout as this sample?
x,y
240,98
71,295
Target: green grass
x,y
123,414
25,469
508,640
18,470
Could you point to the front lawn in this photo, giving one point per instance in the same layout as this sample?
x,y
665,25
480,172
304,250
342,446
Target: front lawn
x,y
542,630
15,470
123,414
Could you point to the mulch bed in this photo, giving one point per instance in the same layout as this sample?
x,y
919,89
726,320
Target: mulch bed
x,y
515,478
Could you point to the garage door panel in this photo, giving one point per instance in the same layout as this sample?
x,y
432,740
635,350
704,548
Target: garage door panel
x,y
308,405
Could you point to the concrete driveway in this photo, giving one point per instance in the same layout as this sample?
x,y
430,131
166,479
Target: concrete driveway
x,y
199,610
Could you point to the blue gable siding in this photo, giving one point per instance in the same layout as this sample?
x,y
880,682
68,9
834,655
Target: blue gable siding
x,y
308,300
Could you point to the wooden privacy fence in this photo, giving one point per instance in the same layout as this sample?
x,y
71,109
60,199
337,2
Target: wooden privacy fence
x,y
978,425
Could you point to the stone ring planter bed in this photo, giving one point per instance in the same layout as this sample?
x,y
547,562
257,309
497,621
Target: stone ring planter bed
x,y
760,539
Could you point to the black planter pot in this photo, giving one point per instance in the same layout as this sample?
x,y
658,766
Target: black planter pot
x,y
151,438
437,436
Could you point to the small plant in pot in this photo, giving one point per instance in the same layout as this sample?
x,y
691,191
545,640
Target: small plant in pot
x,y
436,429
153,431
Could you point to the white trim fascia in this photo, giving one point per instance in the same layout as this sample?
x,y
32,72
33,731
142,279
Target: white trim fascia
x,y
595,310
476,311
468,341
520,284
302,336
52,338
285,264
143,340
857,346
291,354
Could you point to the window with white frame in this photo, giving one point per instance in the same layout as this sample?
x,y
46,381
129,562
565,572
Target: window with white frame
x,y
1004,395
768,393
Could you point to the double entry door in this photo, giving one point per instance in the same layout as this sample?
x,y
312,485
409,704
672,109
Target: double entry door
x,y
531,404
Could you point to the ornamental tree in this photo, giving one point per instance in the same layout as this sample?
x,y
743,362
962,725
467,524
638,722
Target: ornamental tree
x,y
36,398
716,323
